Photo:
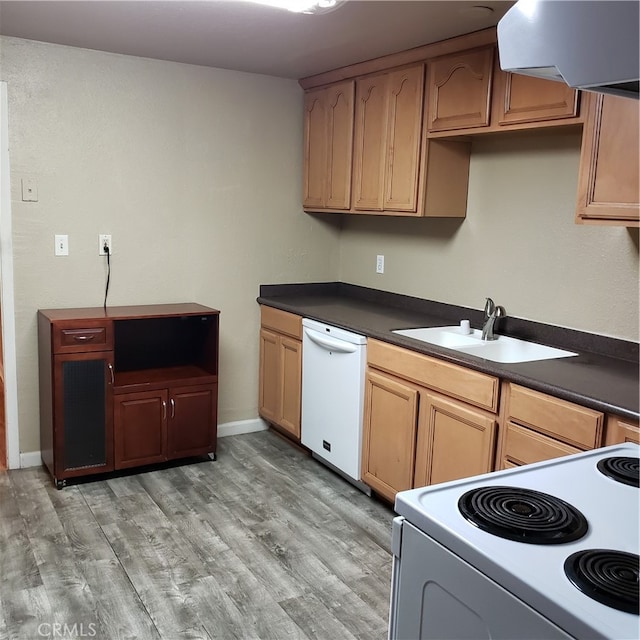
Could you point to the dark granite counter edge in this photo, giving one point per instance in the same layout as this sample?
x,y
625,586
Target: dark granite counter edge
x,y
580,342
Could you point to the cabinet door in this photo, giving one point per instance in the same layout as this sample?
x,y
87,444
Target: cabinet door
x,y
608,180
339,145
315,148
520,98
459,89
192,425
269,382
83,413
328,142
291,385
390,423
140,431
370,142
455,441
405,90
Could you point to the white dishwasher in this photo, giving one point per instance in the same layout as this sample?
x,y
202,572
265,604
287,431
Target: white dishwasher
x,y
333,369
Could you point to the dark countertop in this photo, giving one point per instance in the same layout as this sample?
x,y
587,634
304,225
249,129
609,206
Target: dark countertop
x,y
603,376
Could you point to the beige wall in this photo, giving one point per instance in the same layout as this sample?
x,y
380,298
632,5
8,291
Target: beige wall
x,y
195,172
518,244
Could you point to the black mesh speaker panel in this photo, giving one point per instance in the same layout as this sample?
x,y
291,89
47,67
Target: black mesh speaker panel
x,y
84,405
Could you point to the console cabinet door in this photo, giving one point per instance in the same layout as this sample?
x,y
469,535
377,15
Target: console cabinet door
x,y
140,428
608,180
390,423
454,441
82,415
192,423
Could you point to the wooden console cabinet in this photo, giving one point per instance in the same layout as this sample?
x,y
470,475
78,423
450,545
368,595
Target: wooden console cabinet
x,y
126,386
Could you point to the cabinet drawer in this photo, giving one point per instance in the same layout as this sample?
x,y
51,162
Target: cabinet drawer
x,y
470,386
523,446
281,321
620,430
569,422
88,336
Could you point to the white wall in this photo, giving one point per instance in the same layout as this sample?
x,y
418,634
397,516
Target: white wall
x,y
195,172
518,244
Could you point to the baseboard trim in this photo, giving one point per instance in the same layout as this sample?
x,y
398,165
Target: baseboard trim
x,y
30,459
241,426
33,459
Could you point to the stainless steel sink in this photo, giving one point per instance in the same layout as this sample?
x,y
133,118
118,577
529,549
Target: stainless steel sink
x,y
503,349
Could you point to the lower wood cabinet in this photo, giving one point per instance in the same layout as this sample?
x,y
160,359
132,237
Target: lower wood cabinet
x,y
454,441
280,378
126,386
389,438
539,427
414,435
619,430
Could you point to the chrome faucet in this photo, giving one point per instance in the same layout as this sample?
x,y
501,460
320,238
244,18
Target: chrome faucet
x,y
491,313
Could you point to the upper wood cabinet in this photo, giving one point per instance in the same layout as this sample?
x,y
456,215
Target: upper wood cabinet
x,y
519,99
328,142
608,185
388,127
470,94
459,89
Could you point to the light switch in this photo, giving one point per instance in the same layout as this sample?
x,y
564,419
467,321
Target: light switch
x,y
29,190
62,245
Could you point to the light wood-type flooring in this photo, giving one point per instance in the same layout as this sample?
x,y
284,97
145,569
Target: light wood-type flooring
x,y
265,542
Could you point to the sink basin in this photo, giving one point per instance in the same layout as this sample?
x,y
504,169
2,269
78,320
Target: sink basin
x,y
442,336
504,349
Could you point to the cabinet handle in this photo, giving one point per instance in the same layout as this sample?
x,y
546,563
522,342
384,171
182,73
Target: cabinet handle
x,y
164,410
113,381
83,338
173,408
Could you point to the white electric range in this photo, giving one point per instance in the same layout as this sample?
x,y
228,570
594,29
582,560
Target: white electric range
x,y
548,550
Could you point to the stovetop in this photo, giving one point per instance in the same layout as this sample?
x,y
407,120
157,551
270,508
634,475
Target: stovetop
x,y
535,572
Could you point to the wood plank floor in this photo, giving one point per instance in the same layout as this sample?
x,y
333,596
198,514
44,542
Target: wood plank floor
x,y
263,543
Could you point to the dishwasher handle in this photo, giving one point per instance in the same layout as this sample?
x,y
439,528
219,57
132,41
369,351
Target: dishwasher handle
x,y
329,343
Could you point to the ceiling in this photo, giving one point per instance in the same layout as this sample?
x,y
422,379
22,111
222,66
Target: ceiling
x,y
239,35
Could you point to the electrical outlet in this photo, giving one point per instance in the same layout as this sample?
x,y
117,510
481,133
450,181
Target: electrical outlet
x,y
379,264
62,245
104,239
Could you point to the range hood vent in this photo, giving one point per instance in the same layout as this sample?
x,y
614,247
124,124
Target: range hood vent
x,y
589,44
